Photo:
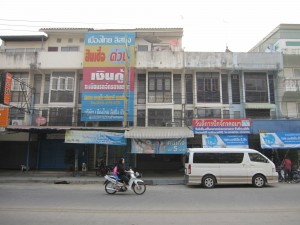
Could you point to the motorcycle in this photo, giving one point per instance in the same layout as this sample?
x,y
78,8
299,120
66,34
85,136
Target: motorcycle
x,y
113,185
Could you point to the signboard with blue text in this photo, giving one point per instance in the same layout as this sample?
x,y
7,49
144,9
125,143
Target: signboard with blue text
x,y
159,146
280,140
108,76
225,141
95,137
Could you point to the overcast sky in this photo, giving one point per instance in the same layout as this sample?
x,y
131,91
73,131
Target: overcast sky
x,y
208,25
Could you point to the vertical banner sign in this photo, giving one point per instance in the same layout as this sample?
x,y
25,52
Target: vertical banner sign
x,y
4,116
5,88
108,58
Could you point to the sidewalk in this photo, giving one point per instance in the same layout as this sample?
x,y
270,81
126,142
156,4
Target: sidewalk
x,y
62,177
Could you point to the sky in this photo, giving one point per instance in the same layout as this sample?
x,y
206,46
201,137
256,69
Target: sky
x,y
208,26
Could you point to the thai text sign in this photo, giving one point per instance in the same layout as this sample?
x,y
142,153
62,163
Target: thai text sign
x,y
279,140
95,137
5,88
159,146
4,116
222,126
107,74
225,141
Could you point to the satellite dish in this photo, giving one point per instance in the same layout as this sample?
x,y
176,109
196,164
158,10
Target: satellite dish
x,y
152,39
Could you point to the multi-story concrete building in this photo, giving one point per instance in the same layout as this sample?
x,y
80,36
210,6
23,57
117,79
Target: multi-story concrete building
x,y
172,91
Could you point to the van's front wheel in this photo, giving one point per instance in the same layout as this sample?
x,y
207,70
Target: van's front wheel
x,y
259,181
209,181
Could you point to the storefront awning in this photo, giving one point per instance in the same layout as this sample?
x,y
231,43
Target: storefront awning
x,y
159,132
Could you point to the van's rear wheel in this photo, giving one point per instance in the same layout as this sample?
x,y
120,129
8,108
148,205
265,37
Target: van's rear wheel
x,y
259,181
209,181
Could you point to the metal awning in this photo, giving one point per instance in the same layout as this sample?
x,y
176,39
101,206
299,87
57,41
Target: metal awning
x,y
159,132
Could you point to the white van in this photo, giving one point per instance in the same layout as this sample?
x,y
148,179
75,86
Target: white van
x,y
211,166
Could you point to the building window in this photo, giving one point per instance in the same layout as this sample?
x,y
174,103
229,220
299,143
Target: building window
x,y
208,87
178,118
226,114
37,87
236,114
62,87
141,116
141,92
225,98
189,89
70,40
235,89
189,115
58,40
46,89
258,113
52,49
209,113
159,117
19,88
60,116
16,114
70,49
271,88
256,88
81,40
177,88
159,90
297,73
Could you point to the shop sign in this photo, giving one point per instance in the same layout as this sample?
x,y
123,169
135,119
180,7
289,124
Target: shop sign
x,y
222,126
279,140
94,137
4,116
159,146
225,141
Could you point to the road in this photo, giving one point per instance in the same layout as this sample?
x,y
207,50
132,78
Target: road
x,y
43,204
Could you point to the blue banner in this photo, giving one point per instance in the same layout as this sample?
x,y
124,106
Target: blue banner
x,y
279,140
95,137
225,141
158,146
105,106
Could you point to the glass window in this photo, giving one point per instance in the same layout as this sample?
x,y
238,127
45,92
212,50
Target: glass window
x,y
231,157
209,113
37,87
52,49
159,90
177,88
141,89
206,158
70,49
189,89
235,88
255,157
256,87
208,87
62,85
141,115
143,48
159,117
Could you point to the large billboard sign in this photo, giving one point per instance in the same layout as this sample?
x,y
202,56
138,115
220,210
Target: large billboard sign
x,y
222,126
108,74
225,141
5,88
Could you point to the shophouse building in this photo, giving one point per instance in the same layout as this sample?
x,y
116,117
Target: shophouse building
x,y
76,94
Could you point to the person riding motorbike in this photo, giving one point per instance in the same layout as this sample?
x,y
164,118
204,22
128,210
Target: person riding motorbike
x,y
122,172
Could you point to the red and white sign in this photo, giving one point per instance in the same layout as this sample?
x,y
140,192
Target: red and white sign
x,y
41,120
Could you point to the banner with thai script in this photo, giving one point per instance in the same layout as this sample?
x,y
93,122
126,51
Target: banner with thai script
x,y
222,126
279,140
225,141
4,111
159,146
5,88
108,76
94,137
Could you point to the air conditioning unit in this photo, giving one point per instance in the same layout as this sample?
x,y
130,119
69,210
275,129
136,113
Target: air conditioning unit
x,y
17,122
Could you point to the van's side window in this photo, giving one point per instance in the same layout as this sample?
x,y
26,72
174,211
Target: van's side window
x,y
255,157
231,157
206,158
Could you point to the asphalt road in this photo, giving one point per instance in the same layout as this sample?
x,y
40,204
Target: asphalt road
x,y
43,204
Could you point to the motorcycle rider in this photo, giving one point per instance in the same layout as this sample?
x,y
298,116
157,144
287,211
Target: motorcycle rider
x,y
121,171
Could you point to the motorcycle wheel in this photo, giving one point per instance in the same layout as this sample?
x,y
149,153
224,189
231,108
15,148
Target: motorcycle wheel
x,y
109,188
139,188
